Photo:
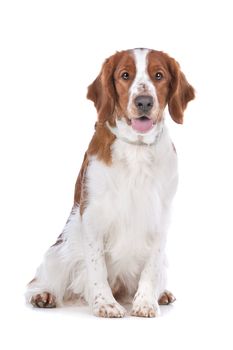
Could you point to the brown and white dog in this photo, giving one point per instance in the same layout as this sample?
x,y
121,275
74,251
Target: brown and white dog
x,y
114,240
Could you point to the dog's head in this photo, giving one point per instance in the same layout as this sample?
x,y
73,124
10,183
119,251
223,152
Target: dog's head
x,y
133,89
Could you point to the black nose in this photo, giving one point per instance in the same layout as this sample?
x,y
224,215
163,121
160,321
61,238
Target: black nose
x,y
144,103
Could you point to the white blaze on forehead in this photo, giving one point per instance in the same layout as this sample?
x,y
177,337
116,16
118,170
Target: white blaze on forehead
x,y
142,82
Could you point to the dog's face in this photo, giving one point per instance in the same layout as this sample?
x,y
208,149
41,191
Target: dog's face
x,y
134,87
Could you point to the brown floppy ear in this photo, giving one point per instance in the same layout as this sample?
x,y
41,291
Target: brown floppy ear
x,y
181,92
102,91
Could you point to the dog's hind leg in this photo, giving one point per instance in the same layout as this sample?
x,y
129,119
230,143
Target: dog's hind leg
x,y
50,285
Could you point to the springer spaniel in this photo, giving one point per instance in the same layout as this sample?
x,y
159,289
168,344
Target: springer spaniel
x,y
113,243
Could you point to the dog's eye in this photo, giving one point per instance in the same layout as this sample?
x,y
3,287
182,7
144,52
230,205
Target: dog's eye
x,y
158,76
125,75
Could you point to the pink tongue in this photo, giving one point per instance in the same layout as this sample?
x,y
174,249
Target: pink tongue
x,y
142,125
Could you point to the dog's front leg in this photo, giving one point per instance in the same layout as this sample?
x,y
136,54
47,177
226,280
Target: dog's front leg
x,y
151,283
100,296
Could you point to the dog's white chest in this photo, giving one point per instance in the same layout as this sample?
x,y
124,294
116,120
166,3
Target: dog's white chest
x,y
131,196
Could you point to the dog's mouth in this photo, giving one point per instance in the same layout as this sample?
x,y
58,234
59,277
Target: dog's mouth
x,y
142,124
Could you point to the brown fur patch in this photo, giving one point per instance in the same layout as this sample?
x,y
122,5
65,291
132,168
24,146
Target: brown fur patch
x,y
100,145
80,193
158,62
102,91
173,88
109,91
125,64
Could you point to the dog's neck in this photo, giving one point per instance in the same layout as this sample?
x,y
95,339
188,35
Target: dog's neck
x,y
139,141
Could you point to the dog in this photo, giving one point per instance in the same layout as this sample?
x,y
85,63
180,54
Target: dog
x,y
113,244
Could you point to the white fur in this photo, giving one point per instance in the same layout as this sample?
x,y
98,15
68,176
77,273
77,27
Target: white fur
x,y
142,84
142,80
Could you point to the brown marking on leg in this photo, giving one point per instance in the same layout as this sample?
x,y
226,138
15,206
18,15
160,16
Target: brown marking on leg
x,y
58,241
174,148
61,238
32,281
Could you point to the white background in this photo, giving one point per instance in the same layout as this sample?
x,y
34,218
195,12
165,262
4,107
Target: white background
x,y
50,51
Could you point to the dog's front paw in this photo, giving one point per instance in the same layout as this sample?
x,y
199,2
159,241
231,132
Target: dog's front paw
x,y
107,308
144,305
145,309
43,300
